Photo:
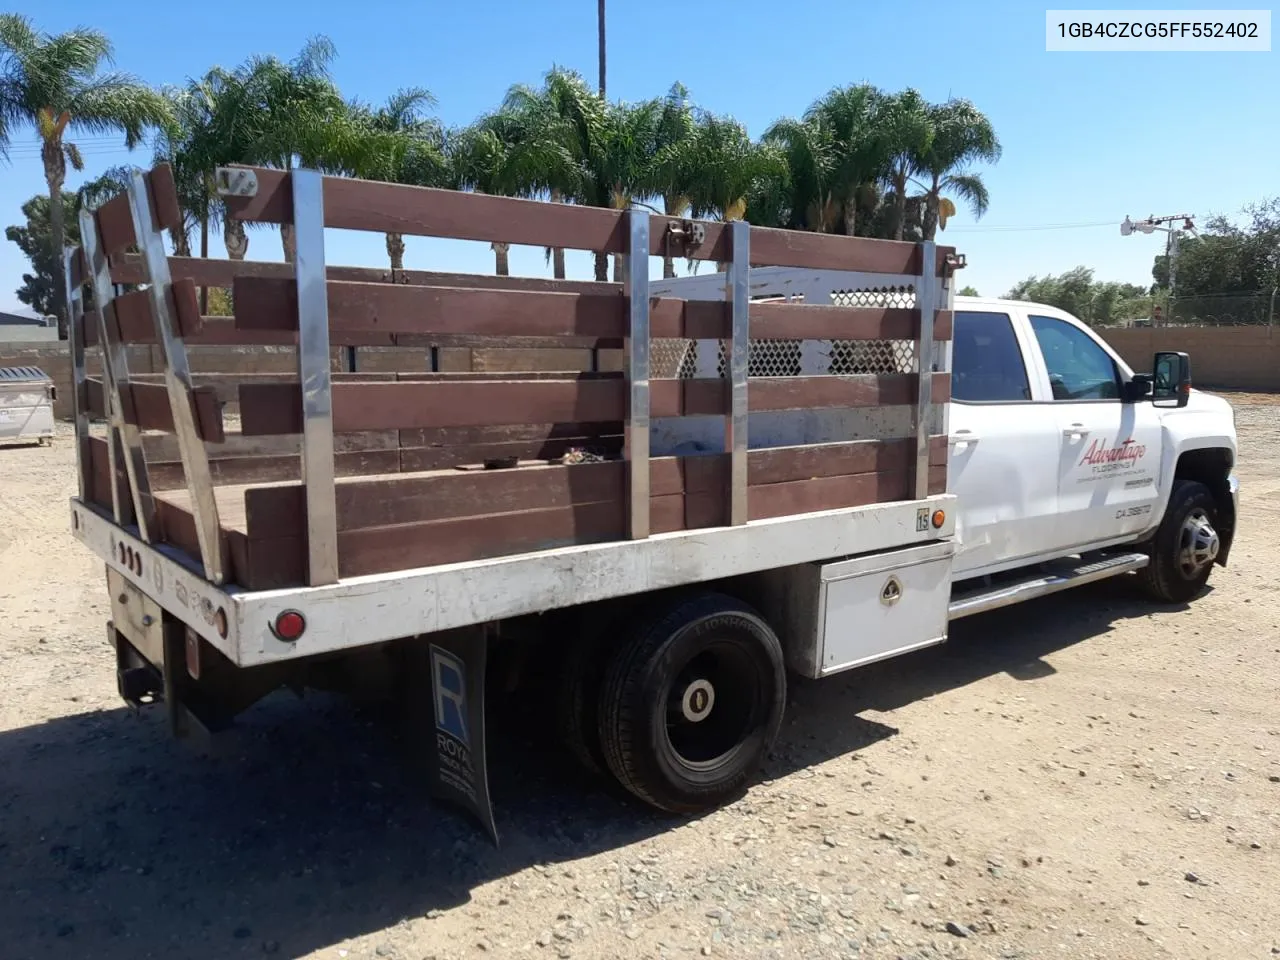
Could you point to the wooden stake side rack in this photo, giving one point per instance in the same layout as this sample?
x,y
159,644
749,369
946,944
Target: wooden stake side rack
x,y
336,473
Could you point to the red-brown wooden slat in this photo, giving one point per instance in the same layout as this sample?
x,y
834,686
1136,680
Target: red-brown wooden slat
x,y
133,317
800,321
277,407
280,562
281,511
146,405
353,204
383,308
115,220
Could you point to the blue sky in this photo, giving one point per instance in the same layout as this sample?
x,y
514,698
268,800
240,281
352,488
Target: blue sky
x,y
1088,137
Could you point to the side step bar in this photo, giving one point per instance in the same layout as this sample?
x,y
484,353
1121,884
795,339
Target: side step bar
x,y
1050,578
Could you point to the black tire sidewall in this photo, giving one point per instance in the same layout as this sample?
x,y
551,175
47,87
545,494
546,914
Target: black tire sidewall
x,y
652,762
1167,579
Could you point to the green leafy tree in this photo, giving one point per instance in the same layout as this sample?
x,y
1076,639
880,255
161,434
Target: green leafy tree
x,y
1095,302
969,291
55,84
906,130
35,239
401,145
857,121
960,135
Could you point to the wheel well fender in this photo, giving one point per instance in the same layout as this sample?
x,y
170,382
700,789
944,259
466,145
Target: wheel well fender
x,y
1212,467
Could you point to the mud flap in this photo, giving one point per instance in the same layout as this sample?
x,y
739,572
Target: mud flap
x,y
454,664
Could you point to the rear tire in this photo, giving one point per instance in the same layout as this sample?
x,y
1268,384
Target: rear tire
x,y
1185,545
691,702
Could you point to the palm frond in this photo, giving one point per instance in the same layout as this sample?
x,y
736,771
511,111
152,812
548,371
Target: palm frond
x,y
117,101
970,188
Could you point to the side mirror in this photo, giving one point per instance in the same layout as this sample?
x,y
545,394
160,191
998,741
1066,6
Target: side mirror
x,y
1139,388
1171,380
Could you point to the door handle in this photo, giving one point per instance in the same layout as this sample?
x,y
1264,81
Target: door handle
x,y
961,437
1076,431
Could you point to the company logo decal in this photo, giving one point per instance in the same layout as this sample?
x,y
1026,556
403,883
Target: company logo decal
x,y
1128,453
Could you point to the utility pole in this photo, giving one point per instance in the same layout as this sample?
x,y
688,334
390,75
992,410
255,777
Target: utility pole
x,y
1152,224
600,19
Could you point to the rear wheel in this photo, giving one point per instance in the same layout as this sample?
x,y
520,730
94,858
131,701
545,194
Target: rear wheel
x,y
1185,546
691,702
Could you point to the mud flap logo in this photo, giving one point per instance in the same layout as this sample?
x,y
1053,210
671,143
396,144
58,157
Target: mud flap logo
x,y
449,685
457,700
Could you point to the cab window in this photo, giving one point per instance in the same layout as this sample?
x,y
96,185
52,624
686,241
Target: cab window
x,y
986,362
1079,369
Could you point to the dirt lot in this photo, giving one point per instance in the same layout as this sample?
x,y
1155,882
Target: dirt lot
x,y
1086,776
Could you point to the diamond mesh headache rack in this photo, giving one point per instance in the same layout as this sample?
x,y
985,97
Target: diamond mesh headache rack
x,y
786,384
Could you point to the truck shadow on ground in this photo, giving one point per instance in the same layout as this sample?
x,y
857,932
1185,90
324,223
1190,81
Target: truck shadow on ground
x,y
304,829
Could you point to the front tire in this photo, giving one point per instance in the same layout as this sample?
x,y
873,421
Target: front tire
x,y
691,702
1185,546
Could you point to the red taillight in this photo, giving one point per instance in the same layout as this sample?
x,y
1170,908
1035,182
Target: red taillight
x,y
289,625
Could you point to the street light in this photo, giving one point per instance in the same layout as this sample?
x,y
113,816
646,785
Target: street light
x,y
1150,225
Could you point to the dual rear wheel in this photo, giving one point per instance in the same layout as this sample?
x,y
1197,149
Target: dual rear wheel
x,y
682,707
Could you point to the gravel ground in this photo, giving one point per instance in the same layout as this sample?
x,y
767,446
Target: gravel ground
x,y
1085,776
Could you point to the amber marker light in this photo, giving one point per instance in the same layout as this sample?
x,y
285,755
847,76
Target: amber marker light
x,y
939,518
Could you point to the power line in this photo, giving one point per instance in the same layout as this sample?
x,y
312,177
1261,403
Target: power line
x,y
1019,228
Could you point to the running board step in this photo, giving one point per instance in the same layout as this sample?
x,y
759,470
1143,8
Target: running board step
x,y
1049,578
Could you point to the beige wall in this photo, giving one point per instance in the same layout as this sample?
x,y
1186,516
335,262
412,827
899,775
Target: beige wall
x,y
1239,358
1232,358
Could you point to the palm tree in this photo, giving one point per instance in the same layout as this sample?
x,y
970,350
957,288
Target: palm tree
x,y
961,135
851,118
540,144
802,199
189,145
287,112
906,127
402,145
482,160
724,166
673,170
54,83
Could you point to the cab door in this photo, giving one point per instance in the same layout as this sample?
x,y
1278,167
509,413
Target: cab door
x,y
1002,454
1110,450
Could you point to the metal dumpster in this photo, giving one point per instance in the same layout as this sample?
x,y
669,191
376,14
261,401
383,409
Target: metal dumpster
x,y
26,404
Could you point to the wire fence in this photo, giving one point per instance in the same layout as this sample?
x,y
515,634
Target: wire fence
x,y
1224,310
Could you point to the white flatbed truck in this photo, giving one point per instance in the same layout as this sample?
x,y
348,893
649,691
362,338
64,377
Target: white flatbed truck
x,y
671,649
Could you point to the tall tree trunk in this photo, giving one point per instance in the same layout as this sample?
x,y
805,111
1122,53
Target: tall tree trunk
x,y
289,240
395,251
501,261
235,238
899,203
55,174
181,242
931,214
851,213
557,253
204,254
602,267
618,267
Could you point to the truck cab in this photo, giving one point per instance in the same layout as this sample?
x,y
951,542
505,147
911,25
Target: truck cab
x,y
1057,447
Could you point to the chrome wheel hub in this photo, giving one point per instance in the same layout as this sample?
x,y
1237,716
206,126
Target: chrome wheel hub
x,y
698,699
1198,543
